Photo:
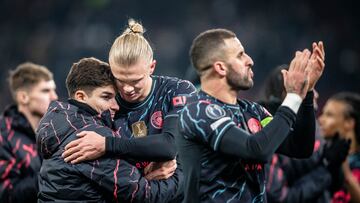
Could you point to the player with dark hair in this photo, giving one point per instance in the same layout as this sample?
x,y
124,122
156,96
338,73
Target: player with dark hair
x,y
341,115
225,141
91,107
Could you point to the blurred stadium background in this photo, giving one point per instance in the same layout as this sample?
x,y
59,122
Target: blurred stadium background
x,y
58,33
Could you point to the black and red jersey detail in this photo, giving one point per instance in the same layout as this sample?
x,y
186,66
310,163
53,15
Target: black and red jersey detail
x,y
19,159
103,180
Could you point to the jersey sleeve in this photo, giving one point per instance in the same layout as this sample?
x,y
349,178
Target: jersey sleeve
x,y
178,94
204,122
122,182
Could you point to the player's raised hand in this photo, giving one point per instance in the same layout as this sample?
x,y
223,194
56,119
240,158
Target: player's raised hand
x,y
316,64
296,78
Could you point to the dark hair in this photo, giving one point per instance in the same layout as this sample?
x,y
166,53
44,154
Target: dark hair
x,y
274,84
352,101
208,47
88,74
26,75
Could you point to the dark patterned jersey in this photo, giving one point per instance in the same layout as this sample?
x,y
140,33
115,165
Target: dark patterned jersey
x,y
106,179
343,196
19,159
211,175
166,98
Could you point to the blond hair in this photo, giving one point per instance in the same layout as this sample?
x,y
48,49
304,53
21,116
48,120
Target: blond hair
x,y
130,46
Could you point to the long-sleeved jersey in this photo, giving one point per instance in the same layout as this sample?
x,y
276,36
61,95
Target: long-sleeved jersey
x,y
297,180
166,98
103,180
147,118
223,147
19,159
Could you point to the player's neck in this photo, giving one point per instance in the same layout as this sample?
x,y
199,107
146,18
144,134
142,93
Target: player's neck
x,y
31,117
219,89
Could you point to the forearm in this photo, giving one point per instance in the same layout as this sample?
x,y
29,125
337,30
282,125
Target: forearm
x,y
157,147
261,145
300,142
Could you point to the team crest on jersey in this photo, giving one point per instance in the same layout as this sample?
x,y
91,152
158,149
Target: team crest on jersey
x,y
157,120
214,111
139,129
254,125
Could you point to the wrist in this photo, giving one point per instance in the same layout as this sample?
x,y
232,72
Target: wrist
x,y
293,101
108,145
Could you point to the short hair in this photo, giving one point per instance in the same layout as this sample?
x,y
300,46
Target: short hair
x,y
26,76
130,46
87,75
352,102
208,47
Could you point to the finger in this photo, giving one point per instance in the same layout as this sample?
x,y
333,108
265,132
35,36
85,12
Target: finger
x,y
314,45
321,62
321,46
304,60
71,150
152,174
78,160
73,144
72,157
319,53
148,168
297,60
82,133
171,173
172,163
293,61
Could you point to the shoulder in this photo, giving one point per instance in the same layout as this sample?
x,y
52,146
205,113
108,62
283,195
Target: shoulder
x,y
204,110
253,107
176,85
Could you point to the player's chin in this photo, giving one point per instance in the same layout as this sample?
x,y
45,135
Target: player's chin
x,y
131,98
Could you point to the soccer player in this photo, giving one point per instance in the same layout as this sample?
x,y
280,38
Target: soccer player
x,y
149,106
223,144
341,115
91,107
33,88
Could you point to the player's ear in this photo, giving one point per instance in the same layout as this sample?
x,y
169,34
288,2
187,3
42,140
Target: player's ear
x,y
220,68
22,97
152,66
81,96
